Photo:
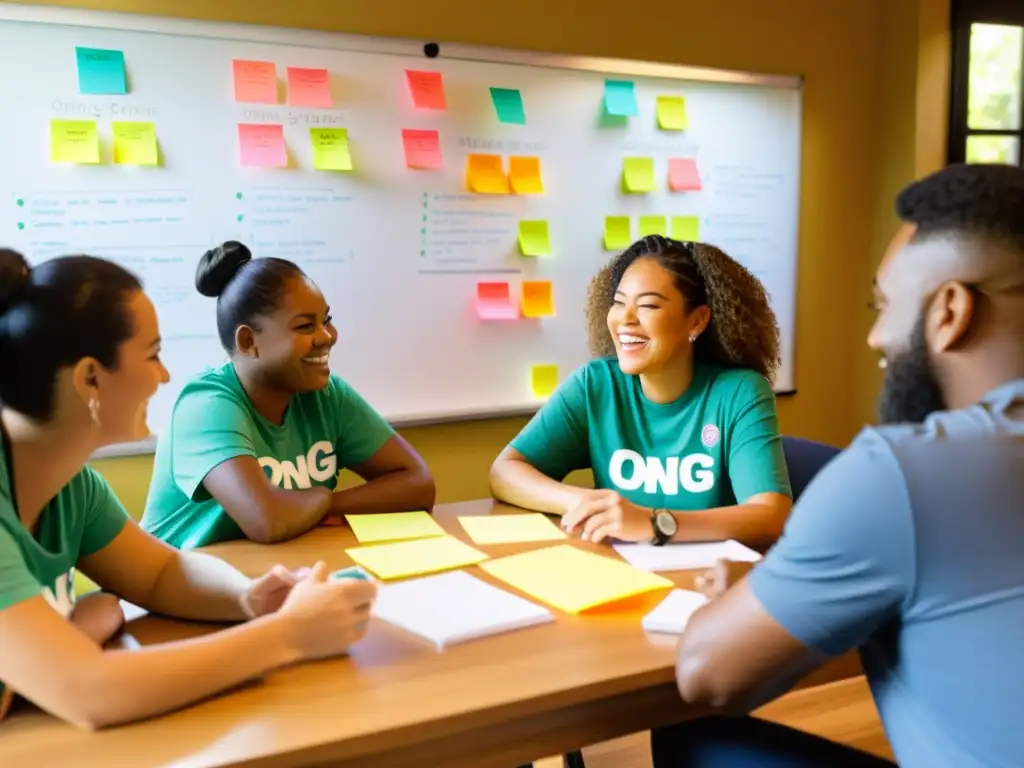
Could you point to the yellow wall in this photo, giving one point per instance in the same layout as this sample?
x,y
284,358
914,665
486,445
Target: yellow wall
x,y
861,119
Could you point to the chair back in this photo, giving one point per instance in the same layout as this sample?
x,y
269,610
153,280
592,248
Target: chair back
x,y
805,459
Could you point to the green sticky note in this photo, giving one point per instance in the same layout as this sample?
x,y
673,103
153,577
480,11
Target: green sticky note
x,y
100,71
135,144
508,104
638,174
74,141
534,239
330,149
620,98
652,225
686,228
672,113
617,233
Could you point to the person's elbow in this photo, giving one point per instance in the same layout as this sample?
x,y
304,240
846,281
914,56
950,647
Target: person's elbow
x,y
423,489
700,682
259,521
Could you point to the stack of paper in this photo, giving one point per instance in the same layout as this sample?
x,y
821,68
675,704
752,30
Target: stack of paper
x,y
414,558
684,557
393,526
455,607
508,529
673,612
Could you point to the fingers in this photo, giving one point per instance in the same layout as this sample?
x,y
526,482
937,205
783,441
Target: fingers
x,y
589,507
603,532
320,571
358,592
595,522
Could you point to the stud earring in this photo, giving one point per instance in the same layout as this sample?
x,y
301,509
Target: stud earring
x,y
693,338
94,411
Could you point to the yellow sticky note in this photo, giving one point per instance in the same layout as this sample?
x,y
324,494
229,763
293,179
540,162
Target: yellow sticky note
x,y
672,113
485,175
538,300
638,174
543,380
652,225
394,525
135,144
415,558
74,141
534,238
524,173
509,529
572,579
617,233
330,149
685,228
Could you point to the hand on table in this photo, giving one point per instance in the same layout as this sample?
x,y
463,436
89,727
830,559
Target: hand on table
x,y
715,581
268,593
99,616
604,514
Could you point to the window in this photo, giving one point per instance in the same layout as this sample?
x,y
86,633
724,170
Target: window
x,y
987,104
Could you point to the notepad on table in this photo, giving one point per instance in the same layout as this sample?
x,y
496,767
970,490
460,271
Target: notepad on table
x,y
672,613
684,557
417,557
572,579
454,607
508,529
392,526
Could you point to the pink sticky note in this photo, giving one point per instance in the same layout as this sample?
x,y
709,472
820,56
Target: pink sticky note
x,y
494,302
309,87
255,81
426,89
422,149
262,145
683,175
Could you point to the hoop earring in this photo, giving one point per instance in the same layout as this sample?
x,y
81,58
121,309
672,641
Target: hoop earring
x,y
94,411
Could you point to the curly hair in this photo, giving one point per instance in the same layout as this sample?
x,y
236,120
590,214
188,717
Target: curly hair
x,y
743,331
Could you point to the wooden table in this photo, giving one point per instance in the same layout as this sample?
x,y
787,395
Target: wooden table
x,y
499,701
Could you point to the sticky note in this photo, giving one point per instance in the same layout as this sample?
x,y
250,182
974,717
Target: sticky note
x,y
485,175
686,228
620,98
100,71
255,81
330,149
638,174
534,239
617,233
508,104
672,113
543,380
524,174
494,302
135,144
538,298
74,141
262,145
426,89
422,149
309,87
393,525
683,175
417,557
572,579
652,225
510,529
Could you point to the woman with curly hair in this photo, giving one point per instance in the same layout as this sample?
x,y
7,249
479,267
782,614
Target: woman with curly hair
x,y
675,415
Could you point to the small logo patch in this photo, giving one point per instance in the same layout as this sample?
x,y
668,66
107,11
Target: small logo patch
x,y
709,435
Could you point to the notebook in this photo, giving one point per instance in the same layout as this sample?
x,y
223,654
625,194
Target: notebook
x,y
455,607
672,613
684,557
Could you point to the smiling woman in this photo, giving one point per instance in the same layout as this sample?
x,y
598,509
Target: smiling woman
x,y
255,446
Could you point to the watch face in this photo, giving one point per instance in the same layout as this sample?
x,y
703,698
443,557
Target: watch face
x,y
667,523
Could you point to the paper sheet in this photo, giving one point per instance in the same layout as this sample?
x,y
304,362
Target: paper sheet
x,y
330,149
543,380
416,557
684,557
422,149
538,298
652,225
74,141
426,89
572,579
255,81
534,238
508,105
511,529
672,113
455,607
262,145
485,175
617,233
309,87
393,525
101,71
524,175
638,174
494,302
671,614
686,228
135,144
620,98
683,175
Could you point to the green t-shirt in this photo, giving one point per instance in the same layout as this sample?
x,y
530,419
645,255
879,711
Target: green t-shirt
x,y
214,421
717,445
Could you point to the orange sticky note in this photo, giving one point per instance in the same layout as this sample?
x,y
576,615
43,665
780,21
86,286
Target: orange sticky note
x,y
262,145
426,89
309,87
543,380
683,175
485,175
538,298
494,302
255,81
524,173
422,149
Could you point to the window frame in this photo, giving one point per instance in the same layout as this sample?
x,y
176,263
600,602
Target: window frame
x,y
964,13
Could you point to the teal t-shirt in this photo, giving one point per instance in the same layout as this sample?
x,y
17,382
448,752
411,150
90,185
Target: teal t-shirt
x,y
717,445
213,421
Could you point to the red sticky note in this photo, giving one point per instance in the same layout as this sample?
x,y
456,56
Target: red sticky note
x,y
422,149
426,89
262,145
683,175
255,81
309,87
494,302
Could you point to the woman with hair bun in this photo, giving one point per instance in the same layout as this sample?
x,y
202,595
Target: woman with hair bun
x,y
255,446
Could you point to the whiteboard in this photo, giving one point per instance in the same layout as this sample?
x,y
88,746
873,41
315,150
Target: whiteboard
x,y
398,252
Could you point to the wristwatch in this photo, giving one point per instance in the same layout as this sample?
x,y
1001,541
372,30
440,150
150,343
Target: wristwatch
x,y
665,526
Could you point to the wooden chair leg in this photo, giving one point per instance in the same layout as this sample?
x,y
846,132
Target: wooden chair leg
x,y
573,760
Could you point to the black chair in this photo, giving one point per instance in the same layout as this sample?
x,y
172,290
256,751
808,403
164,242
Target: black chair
x,y
805,459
